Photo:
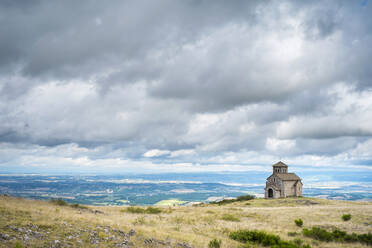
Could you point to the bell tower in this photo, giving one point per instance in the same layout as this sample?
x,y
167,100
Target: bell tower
x,y
280,168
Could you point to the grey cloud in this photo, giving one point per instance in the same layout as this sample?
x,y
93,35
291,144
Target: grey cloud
x,y
125,77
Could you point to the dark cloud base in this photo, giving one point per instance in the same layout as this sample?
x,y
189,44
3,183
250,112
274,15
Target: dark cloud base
x,y
200,82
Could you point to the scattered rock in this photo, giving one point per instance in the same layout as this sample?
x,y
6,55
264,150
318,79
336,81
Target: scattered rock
x,y
4,236
125,244
184,245
132,232
121,233
156,242
56,244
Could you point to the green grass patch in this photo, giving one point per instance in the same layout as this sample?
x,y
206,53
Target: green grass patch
x,y
265,239
138,210
230,217
214,243
292,234
61,202
337,236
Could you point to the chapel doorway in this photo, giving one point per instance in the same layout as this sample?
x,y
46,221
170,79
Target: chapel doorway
x,y
271,193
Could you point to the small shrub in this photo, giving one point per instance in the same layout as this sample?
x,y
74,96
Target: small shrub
x,y
299,222
292,234
78,206
337,235
265,239
214,243
245,198
318,233
59,202
137,210
152,210
224,201
229,217
298,242
238,199
346,217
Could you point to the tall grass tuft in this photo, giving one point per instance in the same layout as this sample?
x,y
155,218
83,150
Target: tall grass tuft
x,y
214,243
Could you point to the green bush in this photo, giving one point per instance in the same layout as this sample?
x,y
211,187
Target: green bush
x,y
238,199
298,241
337,236
59,202
152,210
299,222
292,234
78,206
265,239
318,233
214,243
245,198
135,210
346,217
138,210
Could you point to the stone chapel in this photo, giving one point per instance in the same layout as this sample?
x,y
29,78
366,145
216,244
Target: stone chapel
x,y
281,183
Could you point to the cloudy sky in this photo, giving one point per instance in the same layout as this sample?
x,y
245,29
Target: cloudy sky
x,y
188,85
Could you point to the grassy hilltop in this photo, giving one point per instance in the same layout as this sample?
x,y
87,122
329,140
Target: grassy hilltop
x,y
30,223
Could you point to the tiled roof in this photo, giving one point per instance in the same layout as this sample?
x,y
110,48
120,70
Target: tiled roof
x,y
280,163
288,176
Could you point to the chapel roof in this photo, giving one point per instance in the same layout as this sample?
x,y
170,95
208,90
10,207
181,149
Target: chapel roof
x,y
280,164
288,176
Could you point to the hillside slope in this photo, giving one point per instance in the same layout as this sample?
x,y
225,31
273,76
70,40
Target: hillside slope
x,y
30,223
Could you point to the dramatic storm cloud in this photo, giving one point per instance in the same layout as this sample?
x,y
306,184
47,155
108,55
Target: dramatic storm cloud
x,y
185,85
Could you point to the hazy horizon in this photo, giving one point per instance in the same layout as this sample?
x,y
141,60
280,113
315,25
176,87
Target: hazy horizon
x,y
185,86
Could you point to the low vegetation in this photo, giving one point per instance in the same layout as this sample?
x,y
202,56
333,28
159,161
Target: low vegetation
x,y
238,199
61,202
299,222
265,239
32,223
346,217
214,243
292,234
230,217
337,236
138,210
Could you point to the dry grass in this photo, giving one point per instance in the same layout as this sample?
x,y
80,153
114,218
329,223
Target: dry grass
x,y
196,225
